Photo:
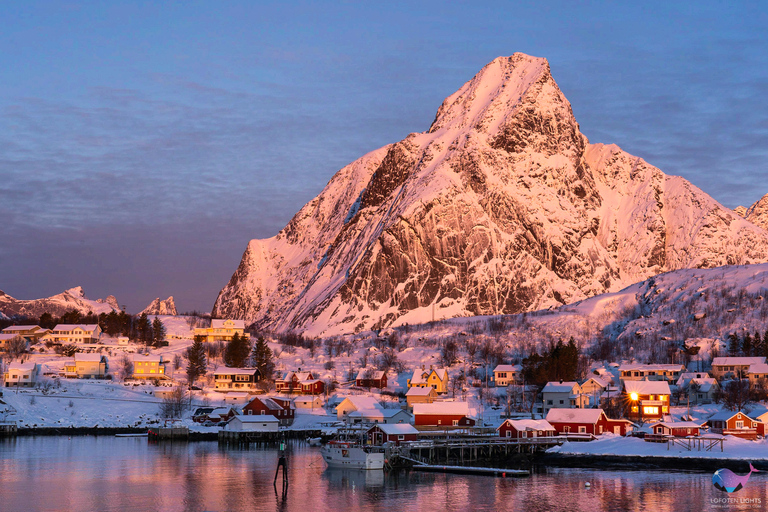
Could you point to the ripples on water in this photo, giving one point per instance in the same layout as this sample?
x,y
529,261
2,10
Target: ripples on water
x,y
108,473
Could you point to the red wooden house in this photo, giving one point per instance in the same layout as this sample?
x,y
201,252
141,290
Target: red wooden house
x,y
312,387
647,399
586,421
738,424
443,414
280,409
368,378
526,428
396,433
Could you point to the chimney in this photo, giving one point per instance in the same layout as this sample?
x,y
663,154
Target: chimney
x,y
423,367
431,367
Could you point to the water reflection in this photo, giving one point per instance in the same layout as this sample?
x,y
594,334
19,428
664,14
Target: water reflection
x,y
105,473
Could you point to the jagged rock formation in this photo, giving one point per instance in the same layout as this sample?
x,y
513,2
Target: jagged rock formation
x,y
741,211
161,307
502,206
57,305
757,214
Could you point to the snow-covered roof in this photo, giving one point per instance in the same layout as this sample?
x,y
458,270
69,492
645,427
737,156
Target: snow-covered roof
x,y
737,361
375,374
397,428
72,327
361,402
725,415
418,375
508,368
705,385
452,408
521,425
574,415
420,391
90,358
651,367
22,367
147,358
679,424
758,368
560,387
15,328
685,377
647,387
220,324
8,336
600,381
306,399
235,371
377,413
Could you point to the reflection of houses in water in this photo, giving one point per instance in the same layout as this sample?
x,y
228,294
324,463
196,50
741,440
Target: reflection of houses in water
x,y
354,478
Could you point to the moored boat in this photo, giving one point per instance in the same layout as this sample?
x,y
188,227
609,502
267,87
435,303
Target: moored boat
x,y
346,454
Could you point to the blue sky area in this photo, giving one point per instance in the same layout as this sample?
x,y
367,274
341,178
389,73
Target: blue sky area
x,y
142,144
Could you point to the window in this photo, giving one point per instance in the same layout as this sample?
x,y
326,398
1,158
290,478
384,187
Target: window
x,y
561,402
582,430
549,402
650,410
739,424
401,438
439,422
455,423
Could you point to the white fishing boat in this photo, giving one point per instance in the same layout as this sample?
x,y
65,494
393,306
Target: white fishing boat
x,y
346,454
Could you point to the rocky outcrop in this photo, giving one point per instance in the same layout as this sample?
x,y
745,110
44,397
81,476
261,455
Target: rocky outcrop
x,y
161,307
502,206
57,305
757,214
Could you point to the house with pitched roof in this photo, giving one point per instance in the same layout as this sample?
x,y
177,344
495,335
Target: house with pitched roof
x,y
22,375
420,396
74,333
28,332
587,422
236,379
526,428
677,428
563,395
733,367
647,399
506,374
730,423
300,382
758,375
356,403
443,414
639,371
149,367
434,378
90,366
222,330
279,408
392,433
370,378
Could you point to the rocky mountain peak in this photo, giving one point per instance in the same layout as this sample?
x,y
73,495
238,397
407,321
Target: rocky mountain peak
x,y
76,291
503,206
161,307
741,211
757,214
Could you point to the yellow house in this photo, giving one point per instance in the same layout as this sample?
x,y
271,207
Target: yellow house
x,y
222,330
149,367
74,333
436,379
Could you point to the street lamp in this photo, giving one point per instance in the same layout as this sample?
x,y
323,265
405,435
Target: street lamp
x,y
634,396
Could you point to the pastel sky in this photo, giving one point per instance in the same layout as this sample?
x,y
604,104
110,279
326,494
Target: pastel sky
x,y
142,144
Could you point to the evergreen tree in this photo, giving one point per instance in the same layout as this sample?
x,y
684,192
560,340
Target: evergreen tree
x,y
733,345
236,353
48,322
261,358
196,361
746,345
144,329
757,344
158,332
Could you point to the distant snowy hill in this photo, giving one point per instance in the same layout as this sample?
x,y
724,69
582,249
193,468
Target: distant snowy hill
x,y
757,214
502,206
57,305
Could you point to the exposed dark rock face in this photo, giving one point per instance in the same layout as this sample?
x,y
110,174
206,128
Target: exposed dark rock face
x,y
161,307
57,305
501,207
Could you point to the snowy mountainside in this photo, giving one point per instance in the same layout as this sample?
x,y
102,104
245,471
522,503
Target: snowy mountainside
x,y
161,307
57,305
685,307
757,214
502,206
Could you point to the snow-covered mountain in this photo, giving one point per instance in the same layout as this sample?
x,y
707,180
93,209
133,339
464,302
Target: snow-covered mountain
x,y
502,206
161,307
757,214
57,305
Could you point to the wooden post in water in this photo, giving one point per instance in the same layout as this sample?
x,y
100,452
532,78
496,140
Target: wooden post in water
x,y
282,462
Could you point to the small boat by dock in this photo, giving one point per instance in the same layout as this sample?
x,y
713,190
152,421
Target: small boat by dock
x,y
145,434
346,454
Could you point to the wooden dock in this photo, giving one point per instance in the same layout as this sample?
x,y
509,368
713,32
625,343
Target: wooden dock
x,y
168,434
470,451
469,470
230,437
8,429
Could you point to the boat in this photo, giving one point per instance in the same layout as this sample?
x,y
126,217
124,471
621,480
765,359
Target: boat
x,y
348,454
315,441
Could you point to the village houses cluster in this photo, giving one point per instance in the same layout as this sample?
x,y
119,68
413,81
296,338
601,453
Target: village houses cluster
x,y
570,408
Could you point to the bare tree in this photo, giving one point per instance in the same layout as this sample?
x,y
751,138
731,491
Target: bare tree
x,y
15,347
173,406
